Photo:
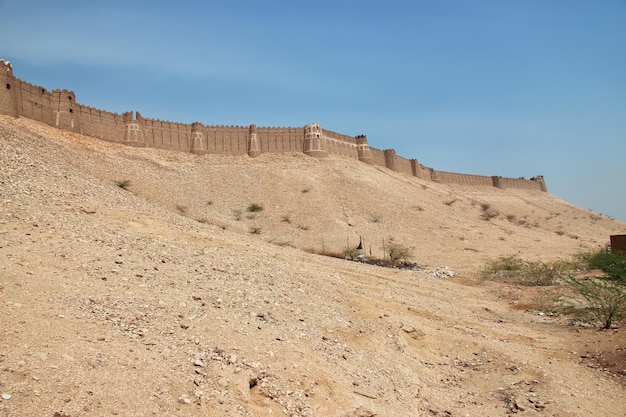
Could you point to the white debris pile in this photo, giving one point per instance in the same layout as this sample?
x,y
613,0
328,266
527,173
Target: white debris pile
x,y
440,272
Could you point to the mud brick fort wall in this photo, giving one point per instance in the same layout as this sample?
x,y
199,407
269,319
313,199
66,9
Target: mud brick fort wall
x,y
59,108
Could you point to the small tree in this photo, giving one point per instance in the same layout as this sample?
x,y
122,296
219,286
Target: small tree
x,y
606,299
398,252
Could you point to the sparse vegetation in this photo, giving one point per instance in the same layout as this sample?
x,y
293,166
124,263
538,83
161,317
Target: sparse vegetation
x,y
202,220
181,209
450,202
255,230
604,300
237,214
488,212
398,252
306,190
351,253
600,298
613,264
286,219
516,270
123,184
603,297
255,208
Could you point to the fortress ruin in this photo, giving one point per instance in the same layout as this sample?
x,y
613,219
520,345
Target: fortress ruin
x,y
59,108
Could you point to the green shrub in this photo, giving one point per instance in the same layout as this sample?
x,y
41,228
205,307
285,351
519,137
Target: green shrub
x,y
254,208
613,264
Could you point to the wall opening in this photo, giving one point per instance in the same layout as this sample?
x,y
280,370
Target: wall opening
x,y
8,86
71,110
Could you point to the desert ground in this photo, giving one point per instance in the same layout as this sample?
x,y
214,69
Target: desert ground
x,y
136,282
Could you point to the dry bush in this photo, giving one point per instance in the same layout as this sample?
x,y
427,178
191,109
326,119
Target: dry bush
x,y
123,184
516,270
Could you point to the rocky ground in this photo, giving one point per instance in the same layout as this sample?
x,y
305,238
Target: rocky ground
x,y
168,297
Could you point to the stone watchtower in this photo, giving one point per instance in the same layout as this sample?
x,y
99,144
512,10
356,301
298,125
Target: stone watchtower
x,y
9,90
542,183
363,150
63,104
253,142
133,130
197,139
314,142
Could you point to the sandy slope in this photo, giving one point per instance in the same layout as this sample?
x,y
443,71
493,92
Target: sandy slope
x,y
121,302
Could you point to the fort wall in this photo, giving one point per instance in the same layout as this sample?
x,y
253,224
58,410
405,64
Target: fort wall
x,y
466,179
59,108
378,157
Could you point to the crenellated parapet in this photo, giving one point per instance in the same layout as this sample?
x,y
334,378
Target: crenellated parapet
x,y
59,108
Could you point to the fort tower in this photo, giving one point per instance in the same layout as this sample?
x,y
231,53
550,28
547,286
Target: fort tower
x,y
363,150
314,143
10,87
253,142
197,139
133,130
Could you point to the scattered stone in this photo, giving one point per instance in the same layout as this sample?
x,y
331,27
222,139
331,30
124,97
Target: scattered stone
x,y
6,396
408,329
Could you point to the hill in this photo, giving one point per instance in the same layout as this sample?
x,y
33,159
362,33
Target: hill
x,y
170,297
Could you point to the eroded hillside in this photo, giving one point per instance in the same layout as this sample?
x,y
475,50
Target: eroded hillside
x,y
169,297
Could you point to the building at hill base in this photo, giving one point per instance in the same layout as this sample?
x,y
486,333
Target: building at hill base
x,y
58,108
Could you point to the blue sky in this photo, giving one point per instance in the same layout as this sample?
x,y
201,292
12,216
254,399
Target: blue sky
x,y
489,87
